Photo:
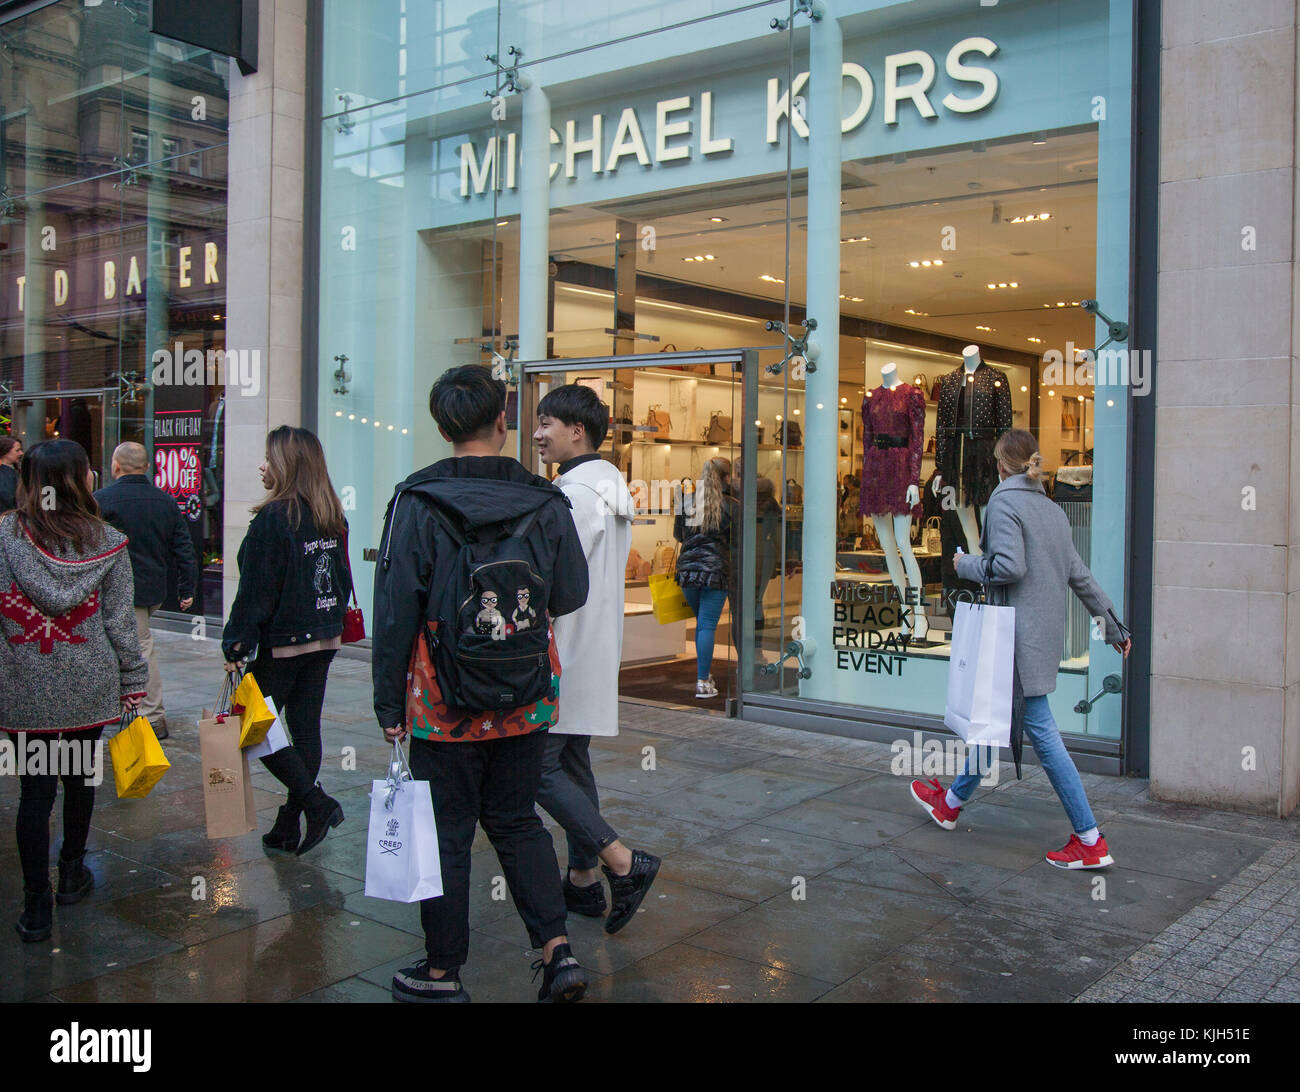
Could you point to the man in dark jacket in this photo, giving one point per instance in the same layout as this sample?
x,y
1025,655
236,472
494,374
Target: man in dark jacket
x,y
11,454
157,538
481,764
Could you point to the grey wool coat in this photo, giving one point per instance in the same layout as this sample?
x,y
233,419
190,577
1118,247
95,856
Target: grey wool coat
x,y
68,646
1030,561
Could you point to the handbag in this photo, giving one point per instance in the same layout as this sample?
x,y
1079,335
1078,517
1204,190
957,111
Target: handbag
x,y
980,673
138,759
255,716
719,430
790,434
933,536
354,622
667,600
402,863
633,565
658,420
665,557
793,492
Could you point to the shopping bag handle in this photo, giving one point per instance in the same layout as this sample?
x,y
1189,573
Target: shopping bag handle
x,y
128,715
227,690
399,770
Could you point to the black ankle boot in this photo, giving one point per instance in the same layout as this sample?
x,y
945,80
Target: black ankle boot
x,y
37,919
322,813
75,880
287,831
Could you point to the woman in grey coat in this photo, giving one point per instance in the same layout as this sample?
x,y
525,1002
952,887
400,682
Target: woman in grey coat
x,y
70,663
1029,560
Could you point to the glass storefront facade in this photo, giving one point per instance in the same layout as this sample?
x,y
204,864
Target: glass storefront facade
x,y
644,198
112,249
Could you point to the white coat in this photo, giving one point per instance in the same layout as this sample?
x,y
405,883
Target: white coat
x,y
590,641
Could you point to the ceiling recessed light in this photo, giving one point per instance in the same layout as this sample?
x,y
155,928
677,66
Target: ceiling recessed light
x,y
770,279
1023,389
717,219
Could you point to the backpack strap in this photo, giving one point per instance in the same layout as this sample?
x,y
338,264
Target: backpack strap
x,y
525,524
455,533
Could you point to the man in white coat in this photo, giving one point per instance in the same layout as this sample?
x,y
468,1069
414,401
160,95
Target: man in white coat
x,y
571,426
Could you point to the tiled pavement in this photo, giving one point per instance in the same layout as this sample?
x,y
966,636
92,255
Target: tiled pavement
x,y
747,818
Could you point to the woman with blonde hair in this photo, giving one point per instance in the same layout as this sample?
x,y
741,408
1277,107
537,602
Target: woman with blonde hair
x,y
294,582
1029,562
704,563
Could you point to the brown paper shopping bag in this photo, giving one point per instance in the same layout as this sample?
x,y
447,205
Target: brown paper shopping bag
x,y
227,785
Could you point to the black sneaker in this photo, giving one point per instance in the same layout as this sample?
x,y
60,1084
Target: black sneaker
x,y
563,979
587,901
414,984
626,892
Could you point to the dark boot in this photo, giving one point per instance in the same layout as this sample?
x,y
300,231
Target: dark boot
x,y
75,880
37,919
287,831
322,813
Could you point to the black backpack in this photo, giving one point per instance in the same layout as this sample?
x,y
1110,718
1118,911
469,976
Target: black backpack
x,y
488,625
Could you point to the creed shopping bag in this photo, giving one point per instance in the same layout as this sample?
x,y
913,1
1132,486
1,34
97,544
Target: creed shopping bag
x,y
255,716
402,863
667,599
980,673
138,759
227,786
277,737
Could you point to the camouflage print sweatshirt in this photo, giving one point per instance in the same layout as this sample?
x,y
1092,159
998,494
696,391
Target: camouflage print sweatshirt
x,y
68,646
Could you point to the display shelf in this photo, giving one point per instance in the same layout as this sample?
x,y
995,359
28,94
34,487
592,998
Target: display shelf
x,y
669,374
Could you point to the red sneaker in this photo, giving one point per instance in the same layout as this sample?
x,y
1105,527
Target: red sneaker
x,y
934,799
1074,854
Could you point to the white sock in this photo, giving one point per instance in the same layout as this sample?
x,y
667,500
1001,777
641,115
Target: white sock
x,y
1089,837
954,802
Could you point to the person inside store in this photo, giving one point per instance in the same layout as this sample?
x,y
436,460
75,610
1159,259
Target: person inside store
x,y
70,663
294,582
767,544
705,563
1029,562
11,454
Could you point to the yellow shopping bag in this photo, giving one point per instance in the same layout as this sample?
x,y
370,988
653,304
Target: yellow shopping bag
x,y
138,759
667,599
255,717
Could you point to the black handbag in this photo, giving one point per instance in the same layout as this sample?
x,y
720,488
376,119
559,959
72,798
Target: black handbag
x,y
790,434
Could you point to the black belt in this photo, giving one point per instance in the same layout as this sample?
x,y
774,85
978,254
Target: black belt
x,y
890,441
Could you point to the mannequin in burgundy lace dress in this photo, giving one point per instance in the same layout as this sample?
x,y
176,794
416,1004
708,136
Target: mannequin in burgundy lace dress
x,y
893,438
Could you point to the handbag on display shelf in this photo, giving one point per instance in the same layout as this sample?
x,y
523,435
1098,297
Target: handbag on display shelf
x,y
922,382
659,420
793,492
934,391
790,434
930,446
633,565
719,430
933,539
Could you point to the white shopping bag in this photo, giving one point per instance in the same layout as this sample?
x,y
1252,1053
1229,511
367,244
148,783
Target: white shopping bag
x,y
402,862
980,672
277,739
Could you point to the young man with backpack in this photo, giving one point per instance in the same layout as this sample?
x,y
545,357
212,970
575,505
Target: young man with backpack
x,y
476,553
571,426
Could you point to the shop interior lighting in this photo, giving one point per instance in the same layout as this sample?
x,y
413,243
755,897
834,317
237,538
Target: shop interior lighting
x,y
851,299
857,239
338,413
770,279
1036,340
717,219
986,329
919,314
926,263
1004,284
1023,389
700,258
1031,218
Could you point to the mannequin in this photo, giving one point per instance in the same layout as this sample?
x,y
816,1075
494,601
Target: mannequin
x,y
974,410
893,436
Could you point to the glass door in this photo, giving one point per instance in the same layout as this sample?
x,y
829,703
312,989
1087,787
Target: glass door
x,y
672,414
89,416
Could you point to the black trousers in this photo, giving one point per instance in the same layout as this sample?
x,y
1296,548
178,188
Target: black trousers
x,y
36,802
493,782
297,686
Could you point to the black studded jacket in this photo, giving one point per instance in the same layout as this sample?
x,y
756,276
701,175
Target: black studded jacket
x,y
968,428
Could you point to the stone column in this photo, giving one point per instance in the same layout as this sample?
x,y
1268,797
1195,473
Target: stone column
x,y
264,252
1225,686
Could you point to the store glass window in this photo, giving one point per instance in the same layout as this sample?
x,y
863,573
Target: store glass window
x,y
983,194
112,267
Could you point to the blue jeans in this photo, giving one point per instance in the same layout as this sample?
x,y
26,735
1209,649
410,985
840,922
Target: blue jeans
x,y
707,605
1040,728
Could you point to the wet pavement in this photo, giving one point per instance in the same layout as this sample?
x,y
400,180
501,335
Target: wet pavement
x,y
796,867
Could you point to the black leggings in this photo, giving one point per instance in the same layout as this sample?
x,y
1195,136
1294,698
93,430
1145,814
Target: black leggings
x,y
36,800
297,686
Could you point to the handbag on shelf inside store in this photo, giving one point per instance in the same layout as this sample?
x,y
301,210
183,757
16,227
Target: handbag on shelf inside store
x,y
932,537
719,430
658,421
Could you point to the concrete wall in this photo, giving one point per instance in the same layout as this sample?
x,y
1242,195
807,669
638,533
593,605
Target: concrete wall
x,y
1226,634
265,255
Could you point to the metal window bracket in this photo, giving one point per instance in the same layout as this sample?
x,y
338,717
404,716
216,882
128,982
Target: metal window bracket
x,y
1118,331
1111,684
810,8
508,78
794,650
802,346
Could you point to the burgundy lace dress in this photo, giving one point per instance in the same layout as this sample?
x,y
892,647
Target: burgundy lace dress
x,y
893,438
